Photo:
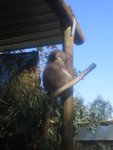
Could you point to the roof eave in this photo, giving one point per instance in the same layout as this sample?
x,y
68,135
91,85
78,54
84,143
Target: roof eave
x,y
66,16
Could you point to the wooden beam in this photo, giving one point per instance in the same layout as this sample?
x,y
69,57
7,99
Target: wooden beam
x,y
66,16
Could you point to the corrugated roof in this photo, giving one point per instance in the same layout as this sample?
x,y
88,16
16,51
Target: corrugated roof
x,y
102,133
30,23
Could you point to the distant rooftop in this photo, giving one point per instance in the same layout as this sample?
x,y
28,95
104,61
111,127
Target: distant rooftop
x,y
103,133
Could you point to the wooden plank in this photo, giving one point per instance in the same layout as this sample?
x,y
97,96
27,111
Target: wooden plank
x,y
32,28
28,37
45,41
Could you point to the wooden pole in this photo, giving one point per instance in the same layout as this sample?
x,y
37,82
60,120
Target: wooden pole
x,y
67,137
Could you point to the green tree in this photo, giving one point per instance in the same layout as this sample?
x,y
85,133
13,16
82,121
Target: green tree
x,y
101,109
90,116
23,109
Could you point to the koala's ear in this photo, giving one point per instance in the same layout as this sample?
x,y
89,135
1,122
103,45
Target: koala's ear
x,y
51,56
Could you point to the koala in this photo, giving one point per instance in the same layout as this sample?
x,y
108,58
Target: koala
x,y
55,74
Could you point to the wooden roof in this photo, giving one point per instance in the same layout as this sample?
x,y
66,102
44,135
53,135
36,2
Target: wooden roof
x,y
32,23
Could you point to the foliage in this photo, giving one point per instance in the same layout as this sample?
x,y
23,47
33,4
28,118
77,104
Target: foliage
x,y
79,113
90,117
99,110
24,108
76,72
22,112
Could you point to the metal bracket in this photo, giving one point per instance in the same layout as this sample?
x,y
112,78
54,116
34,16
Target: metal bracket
x,y
73,27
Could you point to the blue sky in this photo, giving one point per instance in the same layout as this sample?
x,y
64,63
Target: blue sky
x,y
96,21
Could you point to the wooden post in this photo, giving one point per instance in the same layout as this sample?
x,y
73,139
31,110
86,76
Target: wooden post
x,y
68,101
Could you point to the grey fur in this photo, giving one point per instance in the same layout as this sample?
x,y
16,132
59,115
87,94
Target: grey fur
x,y
55,74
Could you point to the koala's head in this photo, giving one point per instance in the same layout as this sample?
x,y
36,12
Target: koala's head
x,y
57,55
